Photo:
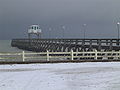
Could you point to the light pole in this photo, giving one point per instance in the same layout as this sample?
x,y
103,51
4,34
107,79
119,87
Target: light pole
x,y
50,32
84,27
118,24
63,28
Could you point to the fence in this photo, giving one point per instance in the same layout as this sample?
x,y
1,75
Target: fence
x,y
59,56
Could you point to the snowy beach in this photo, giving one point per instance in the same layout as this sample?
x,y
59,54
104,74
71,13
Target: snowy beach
x,y
64,76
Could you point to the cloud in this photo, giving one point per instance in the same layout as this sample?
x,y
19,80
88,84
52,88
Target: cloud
x,y
100,15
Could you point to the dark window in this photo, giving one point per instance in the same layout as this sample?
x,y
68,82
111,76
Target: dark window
x,y
35,28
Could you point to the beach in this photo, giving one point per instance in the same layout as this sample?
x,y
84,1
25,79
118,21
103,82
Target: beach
x,y
64,76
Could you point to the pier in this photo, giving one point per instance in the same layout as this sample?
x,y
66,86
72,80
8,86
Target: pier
x,y
66,45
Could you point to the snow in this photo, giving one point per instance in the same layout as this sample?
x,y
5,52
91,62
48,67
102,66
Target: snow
x,y
63,76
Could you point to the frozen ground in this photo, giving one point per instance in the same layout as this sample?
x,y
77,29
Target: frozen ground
x,y
69,76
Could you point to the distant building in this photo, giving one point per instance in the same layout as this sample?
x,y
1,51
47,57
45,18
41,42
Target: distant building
x,y
34,30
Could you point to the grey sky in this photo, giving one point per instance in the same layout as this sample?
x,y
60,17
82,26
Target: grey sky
x,y
99,15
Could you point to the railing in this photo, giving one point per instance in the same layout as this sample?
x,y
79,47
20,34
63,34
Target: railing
x,y
59,56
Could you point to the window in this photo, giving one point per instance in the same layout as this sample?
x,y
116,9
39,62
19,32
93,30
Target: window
x,y
32,27
35,28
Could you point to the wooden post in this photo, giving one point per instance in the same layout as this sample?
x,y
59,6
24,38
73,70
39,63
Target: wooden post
x,y
72,55
95,54
119,55
23,56
47,55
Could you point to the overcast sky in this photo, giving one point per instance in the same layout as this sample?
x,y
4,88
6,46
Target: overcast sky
x,y
100,16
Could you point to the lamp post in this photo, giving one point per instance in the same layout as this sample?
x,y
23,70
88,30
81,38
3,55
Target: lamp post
x,y
118,24
84,26
63,28
50,32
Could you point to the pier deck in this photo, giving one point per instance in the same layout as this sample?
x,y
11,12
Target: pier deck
x,y
66,45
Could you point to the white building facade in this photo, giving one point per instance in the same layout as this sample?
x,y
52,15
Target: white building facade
x,y
34,29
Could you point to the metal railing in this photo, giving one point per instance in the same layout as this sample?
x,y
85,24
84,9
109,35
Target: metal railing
x,y
49,56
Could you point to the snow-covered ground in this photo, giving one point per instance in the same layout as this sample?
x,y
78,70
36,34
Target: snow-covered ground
x,y
63,76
